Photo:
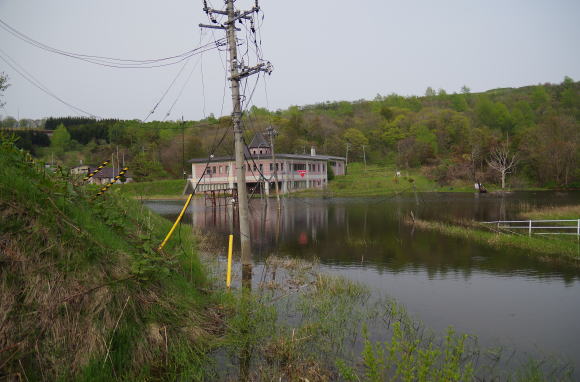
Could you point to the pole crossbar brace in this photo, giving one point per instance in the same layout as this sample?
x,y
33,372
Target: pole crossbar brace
x,y
216,27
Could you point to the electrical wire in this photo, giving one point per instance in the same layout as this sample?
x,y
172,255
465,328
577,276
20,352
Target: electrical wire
x,y
182,89
112,62
32,80
165,93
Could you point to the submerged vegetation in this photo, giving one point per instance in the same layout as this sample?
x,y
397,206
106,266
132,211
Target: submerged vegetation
x,y
546,249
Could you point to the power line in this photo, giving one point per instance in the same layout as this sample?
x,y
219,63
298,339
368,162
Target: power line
x,y
112,62
31,79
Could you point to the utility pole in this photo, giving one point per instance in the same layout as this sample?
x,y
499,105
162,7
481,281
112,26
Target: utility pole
x,y
272,133
182,148
346,164
364,157
235,76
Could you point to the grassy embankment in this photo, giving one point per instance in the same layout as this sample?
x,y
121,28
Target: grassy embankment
x,y
83,294
379,181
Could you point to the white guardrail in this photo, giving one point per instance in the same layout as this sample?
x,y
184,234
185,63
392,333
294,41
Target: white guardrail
x,y
540,227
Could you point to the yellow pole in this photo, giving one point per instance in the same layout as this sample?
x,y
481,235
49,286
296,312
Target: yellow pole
x,y
229,272
176,223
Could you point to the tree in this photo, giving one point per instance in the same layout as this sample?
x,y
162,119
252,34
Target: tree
x,y
430,92
60,140
553,149
356,139
3,86
502,161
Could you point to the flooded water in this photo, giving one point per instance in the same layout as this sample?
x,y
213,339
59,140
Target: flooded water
x,y
504,297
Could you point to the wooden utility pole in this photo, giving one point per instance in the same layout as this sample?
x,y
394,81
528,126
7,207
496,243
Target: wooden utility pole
x,y
272,133
346,163
235,76
364,157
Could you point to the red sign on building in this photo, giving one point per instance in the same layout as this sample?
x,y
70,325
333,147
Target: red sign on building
x,y
301,172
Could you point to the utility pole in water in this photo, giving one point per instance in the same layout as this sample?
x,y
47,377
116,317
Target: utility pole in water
x,y
238,72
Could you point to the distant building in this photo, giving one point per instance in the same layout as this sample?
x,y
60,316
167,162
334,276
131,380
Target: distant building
x,y
104,176
295,172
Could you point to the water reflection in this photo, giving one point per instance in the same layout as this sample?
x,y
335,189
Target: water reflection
x,y
370,233
499,295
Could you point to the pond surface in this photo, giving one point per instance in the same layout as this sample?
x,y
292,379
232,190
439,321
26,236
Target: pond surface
x,y
502,296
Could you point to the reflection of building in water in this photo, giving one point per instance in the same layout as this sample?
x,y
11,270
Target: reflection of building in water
x,y
299,221
294,171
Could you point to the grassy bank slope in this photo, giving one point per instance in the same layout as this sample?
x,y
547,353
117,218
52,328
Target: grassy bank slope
x,y
83,295
379,180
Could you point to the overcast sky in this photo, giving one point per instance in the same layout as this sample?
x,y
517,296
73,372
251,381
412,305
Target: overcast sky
x,y
322,50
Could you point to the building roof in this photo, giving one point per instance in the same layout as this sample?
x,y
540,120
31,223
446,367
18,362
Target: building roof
x,y
268,156
108,173
258,142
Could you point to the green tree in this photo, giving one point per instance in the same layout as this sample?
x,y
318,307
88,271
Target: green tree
x,y
357,140
540,97
60,140
458,101
430,92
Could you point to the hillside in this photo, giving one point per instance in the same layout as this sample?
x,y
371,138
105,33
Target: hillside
x,y
450,136
83,295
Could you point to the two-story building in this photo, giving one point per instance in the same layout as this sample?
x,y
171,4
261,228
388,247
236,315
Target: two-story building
x,y
294,171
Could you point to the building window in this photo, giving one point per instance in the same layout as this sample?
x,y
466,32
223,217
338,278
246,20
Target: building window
x,y
299,166
255,167
208,171
221,169
282,166
271,167
214,169
227,169
261,168
277,167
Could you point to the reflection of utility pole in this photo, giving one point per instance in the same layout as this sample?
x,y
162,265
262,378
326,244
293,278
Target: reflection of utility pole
x,y
235,76
272,133
346,164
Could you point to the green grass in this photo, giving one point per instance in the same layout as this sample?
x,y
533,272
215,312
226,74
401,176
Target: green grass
x,y
84,295
380,180
554,213
159,189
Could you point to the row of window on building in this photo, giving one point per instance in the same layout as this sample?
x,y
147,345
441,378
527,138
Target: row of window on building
x,y
312,167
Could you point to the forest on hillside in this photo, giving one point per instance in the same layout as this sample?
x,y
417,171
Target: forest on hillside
x,y
532,134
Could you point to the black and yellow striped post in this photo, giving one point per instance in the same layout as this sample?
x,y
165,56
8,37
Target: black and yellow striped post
x,y
119,176
97,170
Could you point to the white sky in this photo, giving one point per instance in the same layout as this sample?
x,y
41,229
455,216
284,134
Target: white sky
x,y
321,50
